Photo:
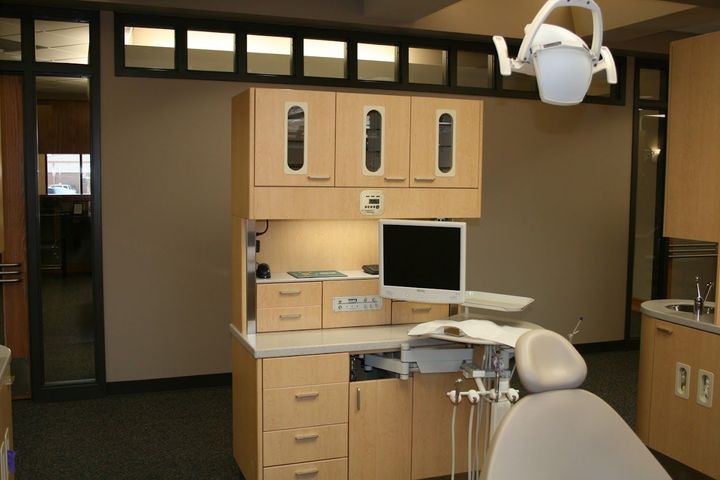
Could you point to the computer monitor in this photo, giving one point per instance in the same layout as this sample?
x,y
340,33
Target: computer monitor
x,y
422,261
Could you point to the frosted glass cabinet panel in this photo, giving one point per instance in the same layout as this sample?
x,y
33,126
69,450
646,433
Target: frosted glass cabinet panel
x,y
295,130
445,143
373,140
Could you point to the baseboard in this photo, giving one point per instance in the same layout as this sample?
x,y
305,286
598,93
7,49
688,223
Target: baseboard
x,y
174,383
613,346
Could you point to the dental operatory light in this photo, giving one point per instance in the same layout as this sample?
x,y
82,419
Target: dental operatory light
x,y
560,59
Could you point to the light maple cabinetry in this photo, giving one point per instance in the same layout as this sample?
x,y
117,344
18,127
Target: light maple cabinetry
x,y
431,435
445,143
304,411
414,312
294,138
380,429
341,144
373,140
678,427
692,196
289,306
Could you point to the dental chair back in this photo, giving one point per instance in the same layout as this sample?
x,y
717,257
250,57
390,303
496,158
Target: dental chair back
x,y
558,431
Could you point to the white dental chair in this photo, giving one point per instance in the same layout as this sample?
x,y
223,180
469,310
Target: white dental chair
x,y
559,432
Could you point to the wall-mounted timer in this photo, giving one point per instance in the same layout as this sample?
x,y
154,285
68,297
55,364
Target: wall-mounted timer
x,y
372,202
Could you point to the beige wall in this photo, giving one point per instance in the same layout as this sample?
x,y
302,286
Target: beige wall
x,y
166,223
555,210
554,223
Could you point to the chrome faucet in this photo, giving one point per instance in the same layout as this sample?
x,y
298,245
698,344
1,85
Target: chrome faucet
x,y
699,302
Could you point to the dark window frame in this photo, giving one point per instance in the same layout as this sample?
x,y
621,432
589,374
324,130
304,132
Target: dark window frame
x,y
30,70
451,42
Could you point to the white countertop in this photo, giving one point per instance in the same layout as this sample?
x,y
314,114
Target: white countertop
x,y
283,277
330,340
349,339
657,309
4,360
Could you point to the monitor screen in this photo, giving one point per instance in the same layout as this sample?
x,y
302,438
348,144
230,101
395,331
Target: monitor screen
x,y
422,261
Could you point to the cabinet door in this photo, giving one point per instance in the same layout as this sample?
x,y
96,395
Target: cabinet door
x,y
380,423
445,143
294,138
431,434
681,428
693,172
413,312
373,140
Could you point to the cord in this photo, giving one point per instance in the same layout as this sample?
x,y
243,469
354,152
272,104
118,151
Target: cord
x,y
481,414
267,225
470,431
452,442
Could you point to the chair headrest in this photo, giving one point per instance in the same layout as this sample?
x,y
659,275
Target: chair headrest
x,y
547,361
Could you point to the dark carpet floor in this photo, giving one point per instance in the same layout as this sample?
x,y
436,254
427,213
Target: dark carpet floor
x,y
186,434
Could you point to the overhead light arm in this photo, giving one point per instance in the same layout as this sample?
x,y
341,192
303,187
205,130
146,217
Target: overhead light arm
x,y
559,58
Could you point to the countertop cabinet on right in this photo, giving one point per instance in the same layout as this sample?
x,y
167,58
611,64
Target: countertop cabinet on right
x,y
692,185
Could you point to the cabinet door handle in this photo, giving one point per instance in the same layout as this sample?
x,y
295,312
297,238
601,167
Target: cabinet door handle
x,y
10,272
290,316
318,177
9,280
9,265
301,396
421,309
358,399
289,293
395,179
665,330
307,436
425,179
307,472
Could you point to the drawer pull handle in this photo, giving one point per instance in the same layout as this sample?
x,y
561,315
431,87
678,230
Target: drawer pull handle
x,y
665,330
318,177
290,293
291,316
395,179
307,436
425,179
306,472
302,396
421,309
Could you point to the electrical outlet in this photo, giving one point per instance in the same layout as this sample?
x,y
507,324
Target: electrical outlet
x,y
706,384
682,380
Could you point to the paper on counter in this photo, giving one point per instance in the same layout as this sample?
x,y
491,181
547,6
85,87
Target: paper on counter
x,y
476,329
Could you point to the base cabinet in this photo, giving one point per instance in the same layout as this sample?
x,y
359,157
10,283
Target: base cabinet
x,y
431,433
380,424
681,428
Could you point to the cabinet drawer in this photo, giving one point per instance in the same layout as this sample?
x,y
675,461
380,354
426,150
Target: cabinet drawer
x,y
305,444
288,318
305,370
357,318
276,295
305,406
325,470
412,312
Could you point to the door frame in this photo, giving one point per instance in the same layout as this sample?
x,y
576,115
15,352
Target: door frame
x,y
30,71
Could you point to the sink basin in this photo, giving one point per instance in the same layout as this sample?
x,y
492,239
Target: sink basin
x,y
684,307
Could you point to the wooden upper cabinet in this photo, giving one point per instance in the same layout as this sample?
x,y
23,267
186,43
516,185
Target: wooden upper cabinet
x,y
294,138
372,147
692,196
445,143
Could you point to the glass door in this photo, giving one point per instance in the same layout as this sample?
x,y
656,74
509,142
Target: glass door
x,y
646,269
